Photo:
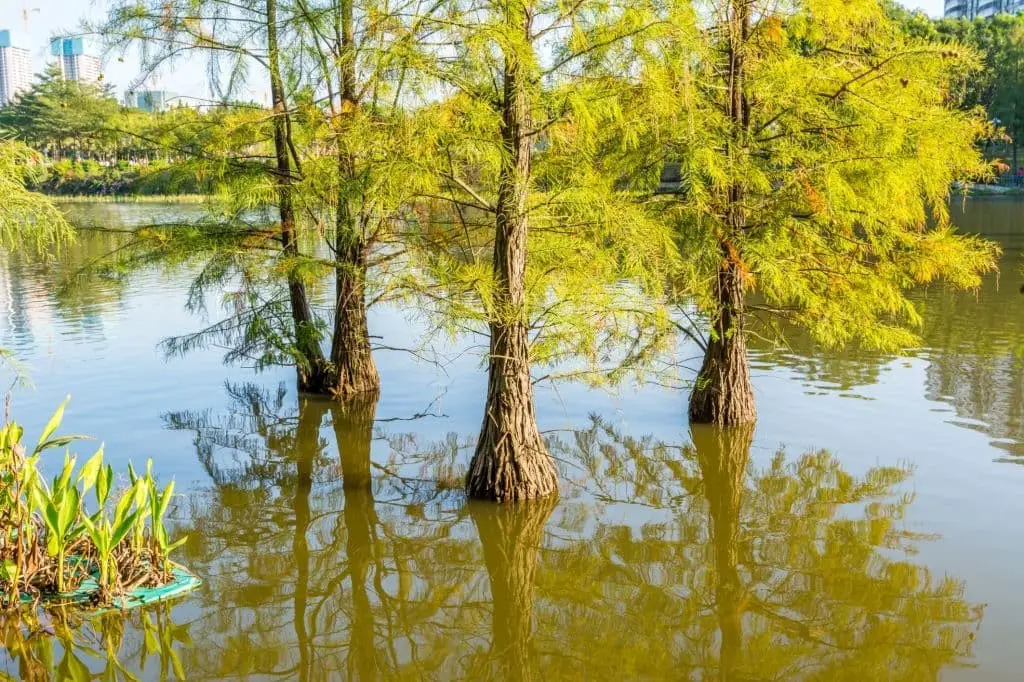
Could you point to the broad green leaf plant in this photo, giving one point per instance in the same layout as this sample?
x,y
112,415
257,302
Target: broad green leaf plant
x,y
52,544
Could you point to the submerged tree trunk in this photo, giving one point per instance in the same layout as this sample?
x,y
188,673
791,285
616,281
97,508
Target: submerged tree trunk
x,y
354,370
353,428
722,455
722,393
311,364
511,538
511,462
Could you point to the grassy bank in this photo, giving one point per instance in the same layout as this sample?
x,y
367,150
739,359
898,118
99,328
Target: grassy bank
x,y
131,198
79,179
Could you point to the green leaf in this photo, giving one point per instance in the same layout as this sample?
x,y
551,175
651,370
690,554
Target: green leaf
x,y
104,480
58,442
90,470
52,425
176,544
61,482
122,528
52,519
141,494
123,505
165,500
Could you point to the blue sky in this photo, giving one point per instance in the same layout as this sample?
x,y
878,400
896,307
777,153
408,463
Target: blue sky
x,y
49,17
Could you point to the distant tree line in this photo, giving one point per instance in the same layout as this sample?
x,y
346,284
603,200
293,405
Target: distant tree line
x,y
994,83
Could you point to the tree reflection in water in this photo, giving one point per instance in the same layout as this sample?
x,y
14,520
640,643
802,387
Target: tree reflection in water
x,y
670,562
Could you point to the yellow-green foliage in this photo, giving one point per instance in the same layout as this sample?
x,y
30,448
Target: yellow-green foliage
x,y
845,167
28,221
594,248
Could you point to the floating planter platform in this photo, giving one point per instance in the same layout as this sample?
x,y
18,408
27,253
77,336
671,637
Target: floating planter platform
x,y
182,583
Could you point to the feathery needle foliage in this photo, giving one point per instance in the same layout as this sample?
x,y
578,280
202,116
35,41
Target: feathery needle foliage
x,y
817,144
28,221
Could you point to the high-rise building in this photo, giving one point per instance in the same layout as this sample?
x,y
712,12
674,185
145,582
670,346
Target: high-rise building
x,y
75,64
15,69
150,100
970,9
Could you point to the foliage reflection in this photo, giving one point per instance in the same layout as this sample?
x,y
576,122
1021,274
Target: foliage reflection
x,y
144,644
728,569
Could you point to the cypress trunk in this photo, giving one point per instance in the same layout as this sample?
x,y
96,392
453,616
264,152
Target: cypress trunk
x,y
353,428
511,462
722,393
722,455
511,538
353,368
311,365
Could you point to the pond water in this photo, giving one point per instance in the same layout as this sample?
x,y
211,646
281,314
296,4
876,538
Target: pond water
x,y
869,528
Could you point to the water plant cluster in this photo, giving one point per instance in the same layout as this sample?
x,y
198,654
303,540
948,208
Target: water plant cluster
x,y
83,537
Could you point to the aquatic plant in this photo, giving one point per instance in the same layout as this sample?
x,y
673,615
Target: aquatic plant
x,y
52,548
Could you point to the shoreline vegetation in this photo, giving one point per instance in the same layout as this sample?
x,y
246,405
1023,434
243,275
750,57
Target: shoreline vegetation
x,y
131,198
90,178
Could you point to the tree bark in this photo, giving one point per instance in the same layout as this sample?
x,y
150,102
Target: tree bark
x,y
354,370
722,393
723,455
511,462
311,365
353,429
511,538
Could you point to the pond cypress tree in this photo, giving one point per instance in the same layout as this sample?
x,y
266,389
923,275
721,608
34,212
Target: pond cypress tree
x,y
533,102
313,373
29,222
817,147
338,72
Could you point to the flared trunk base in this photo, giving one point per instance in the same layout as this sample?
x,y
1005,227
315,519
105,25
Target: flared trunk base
x,y
722,393
511,462
511,465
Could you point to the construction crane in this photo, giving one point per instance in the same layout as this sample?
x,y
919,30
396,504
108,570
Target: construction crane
x,y
25,12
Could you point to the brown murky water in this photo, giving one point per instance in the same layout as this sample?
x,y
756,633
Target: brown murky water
x,y
868,529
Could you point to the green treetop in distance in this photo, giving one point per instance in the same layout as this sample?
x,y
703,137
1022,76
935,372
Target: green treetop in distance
x,y
64,117
817,148
998,86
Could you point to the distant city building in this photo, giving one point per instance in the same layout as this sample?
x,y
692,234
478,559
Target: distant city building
x,y
970,9
15,69
75,64
151,100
